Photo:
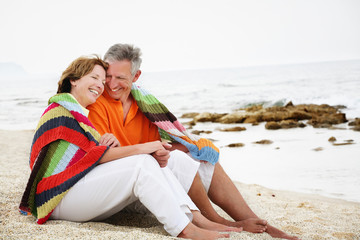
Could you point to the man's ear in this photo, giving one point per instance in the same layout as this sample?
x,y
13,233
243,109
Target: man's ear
x,y
137,75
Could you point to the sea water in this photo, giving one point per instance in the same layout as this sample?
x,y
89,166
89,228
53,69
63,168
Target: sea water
x,y
23,98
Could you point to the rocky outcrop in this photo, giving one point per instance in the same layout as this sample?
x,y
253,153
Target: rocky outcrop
x,y
288,116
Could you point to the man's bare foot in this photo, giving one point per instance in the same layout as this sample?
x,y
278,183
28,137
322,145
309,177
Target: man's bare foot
x,y
253,225
277,233
193,232
202,222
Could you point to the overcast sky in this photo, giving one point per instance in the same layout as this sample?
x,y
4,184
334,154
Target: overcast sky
x,y
44,36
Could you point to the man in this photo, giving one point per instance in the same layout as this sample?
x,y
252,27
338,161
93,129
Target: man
x,y
123,113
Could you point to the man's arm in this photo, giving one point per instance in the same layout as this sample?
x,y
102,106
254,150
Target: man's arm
x,y
178,146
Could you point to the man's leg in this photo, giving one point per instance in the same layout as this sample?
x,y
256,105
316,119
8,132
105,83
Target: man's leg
x,y
224,193
199,196
196,179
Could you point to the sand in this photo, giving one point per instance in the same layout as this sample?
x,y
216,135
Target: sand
x,y
305,215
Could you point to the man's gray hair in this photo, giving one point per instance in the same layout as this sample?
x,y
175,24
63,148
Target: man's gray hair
x,y
119,52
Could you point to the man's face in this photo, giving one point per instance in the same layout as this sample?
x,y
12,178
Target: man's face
x,y
119,79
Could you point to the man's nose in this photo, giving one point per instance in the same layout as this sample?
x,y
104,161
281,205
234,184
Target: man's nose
x,y
110,82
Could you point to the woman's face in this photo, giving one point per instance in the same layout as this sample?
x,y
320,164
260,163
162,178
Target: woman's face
x,y
88,88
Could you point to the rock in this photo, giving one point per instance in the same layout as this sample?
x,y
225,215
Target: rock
x,y
233,129
322,125
299,115
288,124
332,139
274,116
327,119
357,128
301,124
318,149
272,125
208,117
356,122
341,144
235,117
254,108
236,145
191,123
190,115
264,141
254,119
289,104
197,132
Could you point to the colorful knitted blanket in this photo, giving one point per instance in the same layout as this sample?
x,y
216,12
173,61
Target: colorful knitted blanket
x,y
64,149
171,129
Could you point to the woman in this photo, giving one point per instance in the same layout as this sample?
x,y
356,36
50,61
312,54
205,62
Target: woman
x,y
74,178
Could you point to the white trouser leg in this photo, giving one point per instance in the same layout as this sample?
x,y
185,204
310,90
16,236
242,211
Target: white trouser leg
x,y
185,168
110,187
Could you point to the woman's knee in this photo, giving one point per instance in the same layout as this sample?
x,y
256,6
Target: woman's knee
x,y
149,162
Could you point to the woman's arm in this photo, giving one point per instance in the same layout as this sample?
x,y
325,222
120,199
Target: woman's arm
x,y
126,151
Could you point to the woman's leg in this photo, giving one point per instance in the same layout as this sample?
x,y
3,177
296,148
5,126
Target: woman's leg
x,y
110,187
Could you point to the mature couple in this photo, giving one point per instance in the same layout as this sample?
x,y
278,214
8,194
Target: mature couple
x,y
98,148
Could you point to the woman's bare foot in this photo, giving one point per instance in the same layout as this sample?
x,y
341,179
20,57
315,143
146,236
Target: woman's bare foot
x,y
193,232
277,233
202,222
253,225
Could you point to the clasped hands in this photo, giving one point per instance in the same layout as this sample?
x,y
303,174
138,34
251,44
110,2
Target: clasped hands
x,y
159,150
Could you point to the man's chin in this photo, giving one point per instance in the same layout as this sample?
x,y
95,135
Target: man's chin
x,y
115,96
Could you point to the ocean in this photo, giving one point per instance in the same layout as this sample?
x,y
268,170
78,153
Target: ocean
x,y
23,98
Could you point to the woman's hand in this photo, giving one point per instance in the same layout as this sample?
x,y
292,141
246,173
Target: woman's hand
x,y
110,140
161,153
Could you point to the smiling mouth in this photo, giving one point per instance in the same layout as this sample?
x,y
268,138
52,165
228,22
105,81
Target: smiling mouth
x,y
116,89
94,91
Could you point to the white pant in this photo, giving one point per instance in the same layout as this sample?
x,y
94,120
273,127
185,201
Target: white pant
x,y
184,167
111,186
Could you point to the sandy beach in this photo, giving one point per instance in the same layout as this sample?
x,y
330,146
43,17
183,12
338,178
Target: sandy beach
x,y
305,215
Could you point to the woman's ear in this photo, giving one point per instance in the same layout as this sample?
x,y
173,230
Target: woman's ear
x,y
73,83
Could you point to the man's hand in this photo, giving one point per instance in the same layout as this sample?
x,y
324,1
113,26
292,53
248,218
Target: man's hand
x,y
162,155
110,140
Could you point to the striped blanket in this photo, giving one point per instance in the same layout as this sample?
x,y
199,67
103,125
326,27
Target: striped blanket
x,y
171,129
63,150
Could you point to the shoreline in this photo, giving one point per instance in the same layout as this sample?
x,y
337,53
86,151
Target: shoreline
x,y
309,216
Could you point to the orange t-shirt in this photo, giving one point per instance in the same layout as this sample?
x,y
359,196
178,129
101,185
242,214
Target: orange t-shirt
x,y
106,114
